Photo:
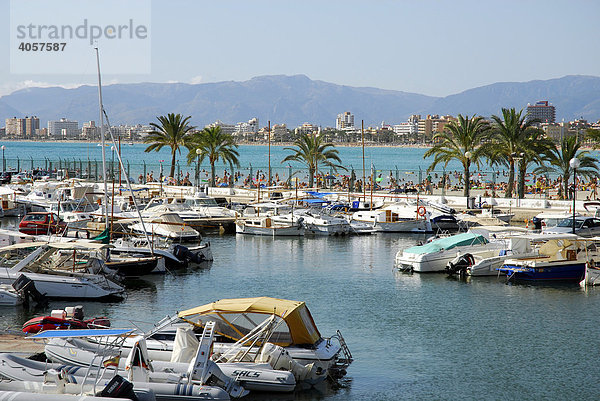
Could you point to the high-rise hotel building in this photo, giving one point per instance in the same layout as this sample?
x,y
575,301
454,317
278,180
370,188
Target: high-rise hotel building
x,y
541,111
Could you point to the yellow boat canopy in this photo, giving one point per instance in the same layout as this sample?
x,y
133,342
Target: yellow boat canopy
x,y
236,317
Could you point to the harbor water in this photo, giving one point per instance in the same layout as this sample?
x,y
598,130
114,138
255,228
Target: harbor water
x,y
412,336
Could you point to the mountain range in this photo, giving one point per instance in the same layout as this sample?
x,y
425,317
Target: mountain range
x,y
294,100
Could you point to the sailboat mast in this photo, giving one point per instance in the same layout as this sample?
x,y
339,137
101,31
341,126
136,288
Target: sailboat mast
x,y
362,136
269,153
102,138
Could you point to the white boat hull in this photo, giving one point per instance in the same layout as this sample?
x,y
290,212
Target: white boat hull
x,y
437,261
290,231
65,287
257,377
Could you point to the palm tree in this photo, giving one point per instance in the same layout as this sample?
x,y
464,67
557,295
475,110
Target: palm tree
x,y
311,149
464,140
216,145
173,131
534,147
512,134
558,162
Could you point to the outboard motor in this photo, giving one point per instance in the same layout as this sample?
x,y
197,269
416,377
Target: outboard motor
x,y
181,252
26,286
118,387
459,264
185,255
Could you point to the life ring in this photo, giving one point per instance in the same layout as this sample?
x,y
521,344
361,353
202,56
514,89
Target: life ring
x,y
421,211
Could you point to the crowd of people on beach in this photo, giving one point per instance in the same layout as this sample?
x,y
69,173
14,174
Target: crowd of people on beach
x,y
489,184
430,183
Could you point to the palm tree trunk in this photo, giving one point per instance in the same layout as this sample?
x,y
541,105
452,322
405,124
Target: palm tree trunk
x,y
311,177
212,174
566,186
173,154
467,179
511,179
522,171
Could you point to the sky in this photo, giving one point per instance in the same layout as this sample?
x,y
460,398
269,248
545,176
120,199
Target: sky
x,y
432,47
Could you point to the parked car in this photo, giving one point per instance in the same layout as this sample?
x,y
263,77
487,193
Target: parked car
x,y
584,226
38,223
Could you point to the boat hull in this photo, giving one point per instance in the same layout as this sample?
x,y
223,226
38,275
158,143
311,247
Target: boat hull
x,y
572,272
293,231
65,287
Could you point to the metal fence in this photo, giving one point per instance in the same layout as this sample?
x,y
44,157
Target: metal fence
x,y
438,181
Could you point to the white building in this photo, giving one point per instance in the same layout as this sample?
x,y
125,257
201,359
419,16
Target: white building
x,y
250,127
63,129
410,127
345,121
307,128
225,128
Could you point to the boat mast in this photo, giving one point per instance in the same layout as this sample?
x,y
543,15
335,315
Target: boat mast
x,y
102,138
362,136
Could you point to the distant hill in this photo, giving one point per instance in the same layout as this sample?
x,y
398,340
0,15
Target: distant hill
x,y
294,100
574,96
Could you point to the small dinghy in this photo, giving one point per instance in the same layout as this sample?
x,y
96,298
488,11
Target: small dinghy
x,y
69,318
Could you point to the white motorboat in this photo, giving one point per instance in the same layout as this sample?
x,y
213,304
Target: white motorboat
x,y
294,330
167,225
324,224
44,192
176,256
75,213
397,218
548,220
435,255
201,213
270,226
54,276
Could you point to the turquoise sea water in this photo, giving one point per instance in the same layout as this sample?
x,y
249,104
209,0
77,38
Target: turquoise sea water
x,y
383,159
402,162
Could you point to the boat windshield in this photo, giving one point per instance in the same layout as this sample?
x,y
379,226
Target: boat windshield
x,y
208,202
569,223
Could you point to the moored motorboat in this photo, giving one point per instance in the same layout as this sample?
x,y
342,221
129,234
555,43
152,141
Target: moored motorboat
x,y
435,255
270,226
56,274
559,261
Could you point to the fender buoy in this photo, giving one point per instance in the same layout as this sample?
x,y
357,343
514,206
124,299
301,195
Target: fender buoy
x,y
421,211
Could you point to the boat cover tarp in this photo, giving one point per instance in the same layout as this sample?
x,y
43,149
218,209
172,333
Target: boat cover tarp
x,y
448,243
236,317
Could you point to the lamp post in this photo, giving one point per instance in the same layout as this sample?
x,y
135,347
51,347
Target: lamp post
x,y
574,163
468,155
198,153
3,159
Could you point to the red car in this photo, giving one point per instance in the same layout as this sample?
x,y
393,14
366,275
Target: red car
x,y
39,223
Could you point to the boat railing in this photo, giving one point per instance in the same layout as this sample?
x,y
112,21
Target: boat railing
x,y
346,359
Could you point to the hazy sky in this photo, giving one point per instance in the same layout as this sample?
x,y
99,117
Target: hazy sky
x,y
424,46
